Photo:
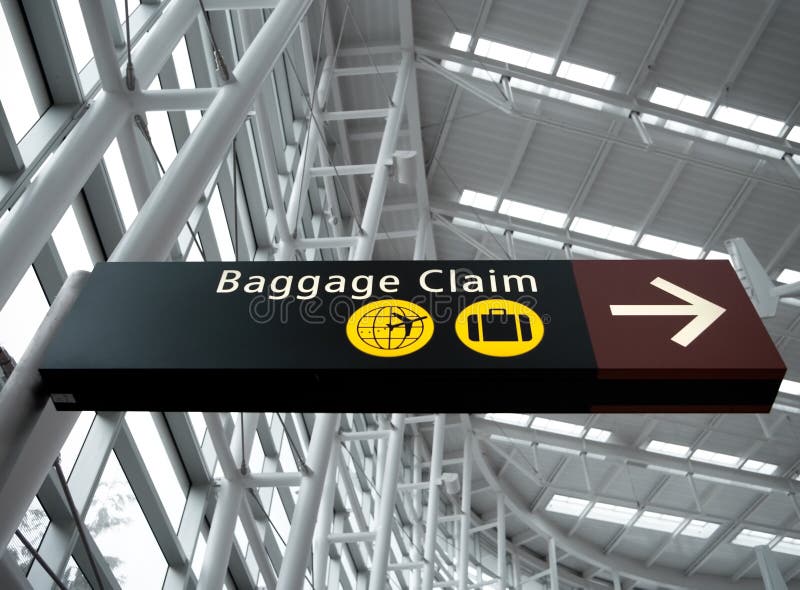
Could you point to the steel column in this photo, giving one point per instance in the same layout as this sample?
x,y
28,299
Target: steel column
x,y
32,220
466,510
31,430
552,562
324,519
416,526
220,537
305,512
501,542
377,190
160,221
383,524
431,522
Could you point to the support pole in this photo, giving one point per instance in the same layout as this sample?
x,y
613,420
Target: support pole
x,y
220,537
160,221
377,190
416,526
770,572
311,146
552,562
383,526
32,220
324,519
31,430
431,522
466,509
501,542
305,512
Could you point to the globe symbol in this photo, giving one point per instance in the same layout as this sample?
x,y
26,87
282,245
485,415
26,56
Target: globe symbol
x,y
390,327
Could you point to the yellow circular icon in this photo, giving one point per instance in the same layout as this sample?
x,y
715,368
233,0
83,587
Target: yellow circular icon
x,y
389,327
499,327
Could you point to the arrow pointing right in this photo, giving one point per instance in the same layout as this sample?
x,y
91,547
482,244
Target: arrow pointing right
x,y
705,312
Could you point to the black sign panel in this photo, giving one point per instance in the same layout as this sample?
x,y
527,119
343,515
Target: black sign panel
x,y
360,336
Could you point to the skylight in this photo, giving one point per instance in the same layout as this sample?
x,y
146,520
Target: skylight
x,y
530,238
748,120
605,231
788,276
472,224
132,4
22,314
183,66
514,56
794,134
516,419
585,75
670,247
759,467
751,538
700,529
567,505
478,200
557,426
598,434
679,101
717,255
657,521
532,213
790,387
611,513
788,545
665,448
715,458
119,182
460,41
15,93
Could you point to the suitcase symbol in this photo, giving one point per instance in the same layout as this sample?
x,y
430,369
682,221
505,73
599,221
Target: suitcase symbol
x,y
499,326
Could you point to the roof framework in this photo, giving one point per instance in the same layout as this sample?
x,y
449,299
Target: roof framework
x,y
295,156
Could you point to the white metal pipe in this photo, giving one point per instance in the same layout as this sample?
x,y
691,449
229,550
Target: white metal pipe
x,y
786,291
345,170
552,562
29,224
239,4
416,525
501,542
466,510
220,537
160,221
433,500
264,141
357,537
406,565
364,434
377,190
324,520
305,512
356,114
105,57
272,479
310,146
177,99
383,525
31,436
515,570
326,242
256,541
220,441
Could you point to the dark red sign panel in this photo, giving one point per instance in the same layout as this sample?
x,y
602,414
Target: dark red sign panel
x,y
672,320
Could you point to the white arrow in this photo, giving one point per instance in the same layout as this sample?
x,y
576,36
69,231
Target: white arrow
x,y
705,312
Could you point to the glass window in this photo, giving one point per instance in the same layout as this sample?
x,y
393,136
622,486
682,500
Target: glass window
x,y
611,513
220,226
15,92
75,29
120,529
132,5
70,243
74,578
22,314
567,505
151,446
183,66
286,454
33,526
198,425
199,553
74,442
280,521
161,132
257,456
120,183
